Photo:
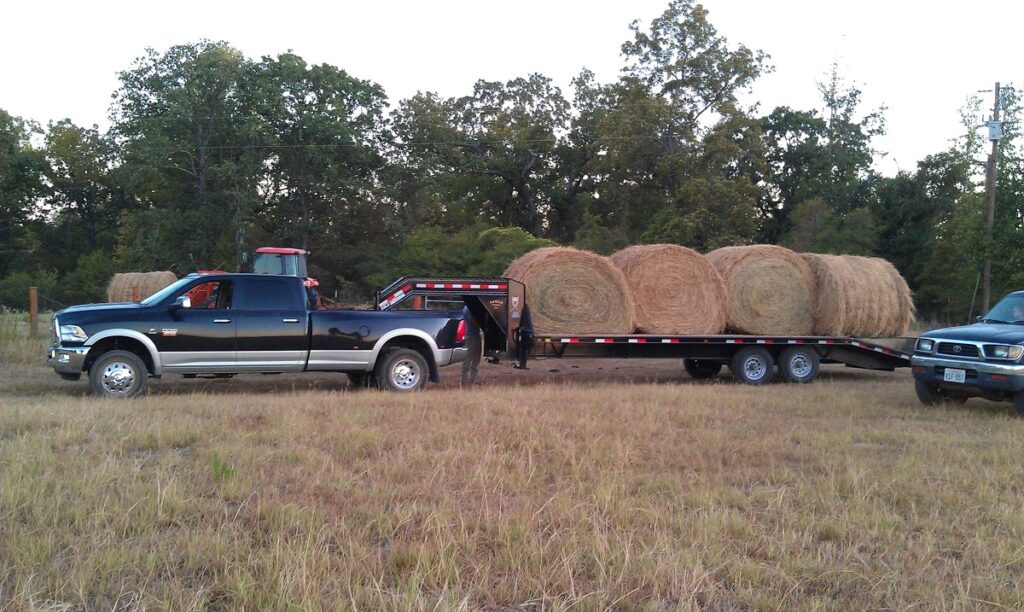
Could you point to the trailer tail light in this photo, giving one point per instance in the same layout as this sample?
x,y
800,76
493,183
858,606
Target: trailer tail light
x,y
460,333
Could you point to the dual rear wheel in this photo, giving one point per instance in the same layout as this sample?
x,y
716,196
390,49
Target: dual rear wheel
x,y
398,369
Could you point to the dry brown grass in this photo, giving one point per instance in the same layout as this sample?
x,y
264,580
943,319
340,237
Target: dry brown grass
x,y
844,494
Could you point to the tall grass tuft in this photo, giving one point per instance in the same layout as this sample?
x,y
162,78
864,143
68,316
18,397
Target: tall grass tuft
x,y
17,344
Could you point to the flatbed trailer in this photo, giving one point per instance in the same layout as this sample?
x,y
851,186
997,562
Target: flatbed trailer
x,y
498,304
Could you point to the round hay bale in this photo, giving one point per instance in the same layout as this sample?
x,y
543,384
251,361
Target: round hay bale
x,y
122,284
769,290
574,292
859,296
900,300
675,290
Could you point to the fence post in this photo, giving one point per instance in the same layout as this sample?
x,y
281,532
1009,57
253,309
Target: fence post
x,y
33,311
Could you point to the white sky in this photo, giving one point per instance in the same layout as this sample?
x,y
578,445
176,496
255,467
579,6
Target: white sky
x,y
921,59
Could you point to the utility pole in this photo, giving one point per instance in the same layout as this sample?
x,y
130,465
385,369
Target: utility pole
x,y
995,132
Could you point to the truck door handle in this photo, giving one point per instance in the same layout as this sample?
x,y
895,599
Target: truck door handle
x,y
222,320
289,320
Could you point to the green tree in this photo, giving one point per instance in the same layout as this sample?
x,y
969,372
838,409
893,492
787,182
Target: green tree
x,y
22,185
85,202
486,157
182,128
824,157
677,159
325,131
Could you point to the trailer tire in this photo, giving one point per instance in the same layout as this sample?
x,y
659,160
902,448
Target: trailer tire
x,y
702,369
401,369
931,395
120,374
799,364
752,365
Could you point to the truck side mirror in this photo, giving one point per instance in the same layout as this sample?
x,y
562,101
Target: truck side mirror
x,y
183,301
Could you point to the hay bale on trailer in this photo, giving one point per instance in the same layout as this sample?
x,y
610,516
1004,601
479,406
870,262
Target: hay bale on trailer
x,y
675,290
769,290
859,296
124,284
573,291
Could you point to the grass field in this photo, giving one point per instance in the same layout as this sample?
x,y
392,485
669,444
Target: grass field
x,y
626,487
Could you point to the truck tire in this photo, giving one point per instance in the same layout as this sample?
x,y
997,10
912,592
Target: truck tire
x,y
931,395
752,365
799,364
120,374
401,369
702,369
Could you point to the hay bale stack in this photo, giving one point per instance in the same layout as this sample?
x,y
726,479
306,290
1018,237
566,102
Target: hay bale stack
x,y
769,290
573,291
675,290
859,296
148,283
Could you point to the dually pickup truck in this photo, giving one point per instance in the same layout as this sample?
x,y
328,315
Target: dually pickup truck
x,y
978,360
249,323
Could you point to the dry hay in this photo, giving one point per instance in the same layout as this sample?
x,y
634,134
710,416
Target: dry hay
x,y
769,290
572,291
148,283
675,290
859,296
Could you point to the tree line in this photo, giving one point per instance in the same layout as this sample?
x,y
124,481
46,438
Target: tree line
x,y
211,154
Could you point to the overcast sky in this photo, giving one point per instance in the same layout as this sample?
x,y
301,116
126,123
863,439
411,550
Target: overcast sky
x,y
921,59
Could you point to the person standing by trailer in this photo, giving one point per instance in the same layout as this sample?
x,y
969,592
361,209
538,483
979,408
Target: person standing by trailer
x,y
474,342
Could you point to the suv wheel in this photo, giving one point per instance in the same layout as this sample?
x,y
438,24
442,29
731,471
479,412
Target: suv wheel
x,y
402,370
1018,403
931,395
118,374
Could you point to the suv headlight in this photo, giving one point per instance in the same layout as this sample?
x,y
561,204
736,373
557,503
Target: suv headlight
x,y
1002,351
72,333
925,345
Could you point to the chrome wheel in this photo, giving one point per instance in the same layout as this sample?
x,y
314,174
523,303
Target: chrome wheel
x,y
754,367
800,365
405,374
118,378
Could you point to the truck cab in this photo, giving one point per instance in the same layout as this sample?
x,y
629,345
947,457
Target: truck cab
x,y
982,359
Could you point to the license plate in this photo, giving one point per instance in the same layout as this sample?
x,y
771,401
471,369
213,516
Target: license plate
x,y
954,375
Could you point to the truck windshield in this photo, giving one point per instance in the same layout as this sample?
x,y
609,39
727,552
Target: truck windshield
x,y
1010,309
166,292
274,263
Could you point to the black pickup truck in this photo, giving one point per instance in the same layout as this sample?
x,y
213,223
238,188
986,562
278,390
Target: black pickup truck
x,y
978,360
226,324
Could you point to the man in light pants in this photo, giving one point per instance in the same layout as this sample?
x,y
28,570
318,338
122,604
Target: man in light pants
x,y
474,342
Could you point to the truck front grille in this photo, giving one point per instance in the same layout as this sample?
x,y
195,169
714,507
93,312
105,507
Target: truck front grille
x,y
958,349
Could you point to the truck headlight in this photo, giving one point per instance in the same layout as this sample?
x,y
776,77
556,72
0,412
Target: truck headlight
x,y
1003,351
925,345
72,333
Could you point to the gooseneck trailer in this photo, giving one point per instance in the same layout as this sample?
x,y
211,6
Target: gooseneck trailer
x,y
499,306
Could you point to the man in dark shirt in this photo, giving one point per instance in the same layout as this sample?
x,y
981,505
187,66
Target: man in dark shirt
x,y
474,342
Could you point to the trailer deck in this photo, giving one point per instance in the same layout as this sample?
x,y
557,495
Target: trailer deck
x,y
499,304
